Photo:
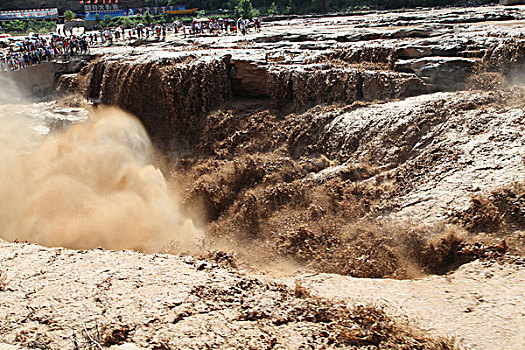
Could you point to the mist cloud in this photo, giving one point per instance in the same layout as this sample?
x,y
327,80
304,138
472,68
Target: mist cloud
x,y
88,186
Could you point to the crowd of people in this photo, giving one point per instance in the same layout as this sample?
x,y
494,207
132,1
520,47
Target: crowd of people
x,y
222,26
198,27
35,49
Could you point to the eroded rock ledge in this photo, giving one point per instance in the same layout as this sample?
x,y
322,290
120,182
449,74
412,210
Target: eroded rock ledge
x,y
65,299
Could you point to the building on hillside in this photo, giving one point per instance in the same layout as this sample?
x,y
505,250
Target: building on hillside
x,y
46,14
64,5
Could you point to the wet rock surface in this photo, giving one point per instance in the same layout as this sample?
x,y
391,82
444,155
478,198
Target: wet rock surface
x,y
443,146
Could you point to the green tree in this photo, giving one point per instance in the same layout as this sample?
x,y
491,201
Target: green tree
x,y
19,26
147,17
291,5
273,9
107,20
244,8
127,22
69,15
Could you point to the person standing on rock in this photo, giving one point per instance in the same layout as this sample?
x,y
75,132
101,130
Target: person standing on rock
x,y
241,26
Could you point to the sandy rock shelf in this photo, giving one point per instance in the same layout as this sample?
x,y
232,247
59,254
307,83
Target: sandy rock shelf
x,y
482,304
52,297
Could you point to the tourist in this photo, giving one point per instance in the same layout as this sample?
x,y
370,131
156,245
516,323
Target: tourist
x,y
35,50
